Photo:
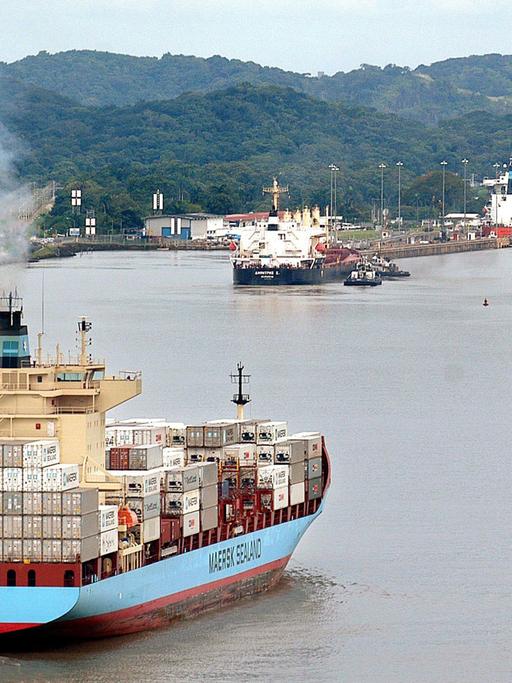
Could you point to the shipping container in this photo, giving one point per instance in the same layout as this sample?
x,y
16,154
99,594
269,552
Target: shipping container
x,y
195,436
311,443
32,549
209,518
32,503
145,507
280,497
12,479
85,549
182,503
12,454
12,503
170,529
150,530
219,433
209,496
41,453
52,550
297,493
13,526
61,477
270,432
298,472
145,436
32,526
248,430
314,468
80,526
282,452
108,517
176,433
52,502
77,502
12,550
242,453
52,526
32,478
208,473
191,523
314,489
174,457
183,479
145,457
119,458
142,484
247,477
273,476
195,454
109,542
265,454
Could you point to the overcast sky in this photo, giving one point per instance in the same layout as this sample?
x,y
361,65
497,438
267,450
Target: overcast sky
x,y
313,35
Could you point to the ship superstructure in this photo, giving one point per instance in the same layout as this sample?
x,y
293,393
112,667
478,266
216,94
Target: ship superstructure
x,y
111,527
286,248
499,208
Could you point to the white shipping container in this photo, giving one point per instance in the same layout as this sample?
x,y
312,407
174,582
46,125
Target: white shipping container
x,y
209,496
61,477
183,502
12,479
191,523
109,542
108,517
282,452
273,476
182,479
312,443
143,484
12,550
208,473
195,454
52,526
297,493
243,453
87,549
176,433
32,526
41,453
174,457
270,432
32,503
265,454
32,479
13,526
32,549
150,529
80,526
12,503
52,550
280,498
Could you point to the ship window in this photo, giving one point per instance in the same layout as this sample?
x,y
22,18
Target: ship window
x,y
39,378
31,578
11,577
10,348
70,376
69,578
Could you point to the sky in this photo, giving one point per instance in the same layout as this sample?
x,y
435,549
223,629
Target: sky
x,y
298,35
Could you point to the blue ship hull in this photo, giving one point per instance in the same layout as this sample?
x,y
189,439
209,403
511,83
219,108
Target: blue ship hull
x,y
158,593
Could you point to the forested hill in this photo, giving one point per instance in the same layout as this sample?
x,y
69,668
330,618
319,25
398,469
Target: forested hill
x,y
214,152
429,93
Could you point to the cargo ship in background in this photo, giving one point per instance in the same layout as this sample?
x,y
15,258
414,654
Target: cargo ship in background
x,y
289,249
115,527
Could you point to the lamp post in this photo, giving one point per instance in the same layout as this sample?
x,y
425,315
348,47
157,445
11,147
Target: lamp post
x,y
382,167
444,164
399,166
465,163
333,169
496,167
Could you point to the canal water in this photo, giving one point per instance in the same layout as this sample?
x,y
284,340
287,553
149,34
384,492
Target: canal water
x,y
406,576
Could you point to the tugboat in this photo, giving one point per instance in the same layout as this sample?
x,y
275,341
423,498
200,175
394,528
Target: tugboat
x,y
289,249
363,275
387,269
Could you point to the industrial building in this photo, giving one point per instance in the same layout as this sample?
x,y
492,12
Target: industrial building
x,y
188,226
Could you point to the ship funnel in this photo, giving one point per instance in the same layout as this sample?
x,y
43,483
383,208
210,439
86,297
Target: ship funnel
x,y
14,349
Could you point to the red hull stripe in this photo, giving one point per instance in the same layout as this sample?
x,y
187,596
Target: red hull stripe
x,y
152,605
6,628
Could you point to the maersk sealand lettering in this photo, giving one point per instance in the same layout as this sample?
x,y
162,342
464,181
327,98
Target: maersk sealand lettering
x,y
219,560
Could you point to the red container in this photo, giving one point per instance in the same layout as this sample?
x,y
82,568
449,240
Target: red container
x,y
119,458
169,529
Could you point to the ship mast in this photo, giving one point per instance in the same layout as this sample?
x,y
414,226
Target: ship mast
x,y
240,399
275,190
84,326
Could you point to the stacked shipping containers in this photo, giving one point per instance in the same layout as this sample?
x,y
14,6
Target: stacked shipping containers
x,y
46,517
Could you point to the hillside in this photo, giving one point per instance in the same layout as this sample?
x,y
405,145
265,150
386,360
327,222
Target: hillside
x,y
428,94
214,152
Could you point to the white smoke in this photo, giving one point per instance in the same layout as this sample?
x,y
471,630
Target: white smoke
x,y
16,203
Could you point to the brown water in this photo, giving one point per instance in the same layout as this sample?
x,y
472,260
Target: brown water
x,y
406,576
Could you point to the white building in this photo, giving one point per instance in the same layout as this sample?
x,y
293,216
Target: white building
x,y
499,209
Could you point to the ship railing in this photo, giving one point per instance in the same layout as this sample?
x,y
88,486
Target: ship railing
x,y
129,374
72,410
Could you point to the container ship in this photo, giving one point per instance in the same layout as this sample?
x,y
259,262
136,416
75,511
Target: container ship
x,y
289,249
112,527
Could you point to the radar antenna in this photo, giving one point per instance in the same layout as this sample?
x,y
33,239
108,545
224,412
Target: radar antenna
x,y
240,399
